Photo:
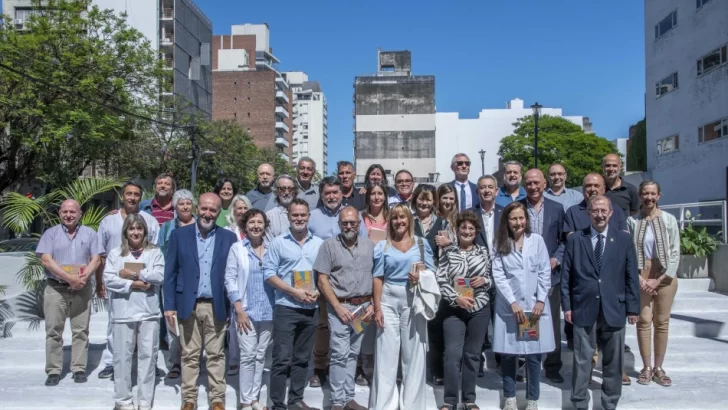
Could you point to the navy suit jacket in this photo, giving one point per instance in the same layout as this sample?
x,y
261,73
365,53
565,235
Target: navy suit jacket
x,y
577,218
182,272
473,193
482,239
614,290
553,234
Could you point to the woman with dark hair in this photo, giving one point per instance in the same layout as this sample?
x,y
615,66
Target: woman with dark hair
x,y
657,241
376,210
522,275
375,175
226,190
133,275
252,299
404,183
465,311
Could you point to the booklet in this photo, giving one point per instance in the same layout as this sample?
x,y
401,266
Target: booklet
x,y
528,331
74,270
377,235
135,267
463,288
302,279
175,329
356,323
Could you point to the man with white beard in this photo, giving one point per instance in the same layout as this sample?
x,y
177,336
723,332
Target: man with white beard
x,y
511,190
284,189
261,196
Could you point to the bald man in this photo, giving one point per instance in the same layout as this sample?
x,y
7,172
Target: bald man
x,y
622,194
194,294
260,196
577,217
70,254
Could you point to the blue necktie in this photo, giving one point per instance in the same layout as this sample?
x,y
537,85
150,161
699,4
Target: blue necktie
x,y
462,197
598,250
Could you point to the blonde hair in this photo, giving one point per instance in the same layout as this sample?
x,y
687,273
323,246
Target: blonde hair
x,y
404,209
129,221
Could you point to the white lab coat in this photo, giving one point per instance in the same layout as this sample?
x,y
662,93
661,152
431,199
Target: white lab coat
x,y
524,278
128,305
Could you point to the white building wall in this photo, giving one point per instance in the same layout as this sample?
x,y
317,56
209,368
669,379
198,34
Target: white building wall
x,y
695,171
621,144
260,31
469,135
310,122
143,15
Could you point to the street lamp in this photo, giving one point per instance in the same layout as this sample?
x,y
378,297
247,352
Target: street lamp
x,y
482,161
536,113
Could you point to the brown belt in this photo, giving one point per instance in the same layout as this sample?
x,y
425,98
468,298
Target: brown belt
x,y
359,300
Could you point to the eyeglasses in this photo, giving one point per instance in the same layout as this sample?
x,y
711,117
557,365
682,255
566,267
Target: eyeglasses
x,y
286,188
403,181
461,163
349,223
598,212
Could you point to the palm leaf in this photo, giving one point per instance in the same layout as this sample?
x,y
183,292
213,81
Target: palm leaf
x,y
31,275
83,190
19,211
92,217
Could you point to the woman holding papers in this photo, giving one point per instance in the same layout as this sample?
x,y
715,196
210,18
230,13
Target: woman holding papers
x,y
397,263
132,276
522,275
252,301
464,277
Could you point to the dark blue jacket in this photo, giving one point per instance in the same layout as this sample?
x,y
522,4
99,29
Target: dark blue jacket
x,y
614,290
182,272
553,234
473,192
482,239
577,218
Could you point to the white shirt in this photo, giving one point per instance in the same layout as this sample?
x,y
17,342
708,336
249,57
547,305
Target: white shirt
x,y
110,230
594,234
459,186
488,219
649,242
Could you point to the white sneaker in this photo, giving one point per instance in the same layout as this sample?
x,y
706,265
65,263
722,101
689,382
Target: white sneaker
x,y
532,405
510,404
257,406
129,406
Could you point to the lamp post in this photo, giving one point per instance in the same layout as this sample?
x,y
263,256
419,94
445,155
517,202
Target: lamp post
x,y
482,161
536,113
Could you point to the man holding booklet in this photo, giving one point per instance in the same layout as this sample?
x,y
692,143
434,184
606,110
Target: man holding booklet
x,y
344,267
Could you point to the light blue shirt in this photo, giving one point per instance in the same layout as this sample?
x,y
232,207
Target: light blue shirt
x,y
567,198
503,198
325,224
286,255
205,248
259,294
394,266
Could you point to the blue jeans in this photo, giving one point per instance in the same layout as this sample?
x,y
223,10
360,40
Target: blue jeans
x,y
509,367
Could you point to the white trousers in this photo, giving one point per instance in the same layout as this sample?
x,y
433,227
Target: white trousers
x,y
405,332
108,355
144,336
253,347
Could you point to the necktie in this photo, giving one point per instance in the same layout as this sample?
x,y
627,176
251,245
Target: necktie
x,y
462,197
598,250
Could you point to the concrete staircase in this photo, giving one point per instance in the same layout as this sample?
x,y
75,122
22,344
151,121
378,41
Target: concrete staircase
x,y
696,361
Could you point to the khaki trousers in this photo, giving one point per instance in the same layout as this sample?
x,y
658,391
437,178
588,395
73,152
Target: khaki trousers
x,y
201,325
655,312
61,303
321,341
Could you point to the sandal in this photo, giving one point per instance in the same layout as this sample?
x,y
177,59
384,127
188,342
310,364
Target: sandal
x,y
470,406
645,377
174,372
661,378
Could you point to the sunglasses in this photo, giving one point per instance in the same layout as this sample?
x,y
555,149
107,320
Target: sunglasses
x,y
461,163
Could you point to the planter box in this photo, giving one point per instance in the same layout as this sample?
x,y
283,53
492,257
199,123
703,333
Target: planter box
x,y
692,267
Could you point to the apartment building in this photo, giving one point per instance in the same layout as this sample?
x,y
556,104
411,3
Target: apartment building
x,y
310,120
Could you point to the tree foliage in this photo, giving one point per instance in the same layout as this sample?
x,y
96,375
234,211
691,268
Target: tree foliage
x,y
63,81
637,153
559,141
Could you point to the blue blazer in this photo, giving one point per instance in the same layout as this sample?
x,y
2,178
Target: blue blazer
x,y
553,234
182,272
615,288
473,193
482,239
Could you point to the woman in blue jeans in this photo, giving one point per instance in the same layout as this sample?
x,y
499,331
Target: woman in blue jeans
x,y
522,275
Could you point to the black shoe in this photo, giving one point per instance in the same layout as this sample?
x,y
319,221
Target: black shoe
x,y
53,380
158,372
481,369
627,349
80,377
107,373
555,377
314,381
487,345
438,381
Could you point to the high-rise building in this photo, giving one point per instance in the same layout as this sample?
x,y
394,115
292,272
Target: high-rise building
x,y
249,89
686,64
177,28
310,120
394,118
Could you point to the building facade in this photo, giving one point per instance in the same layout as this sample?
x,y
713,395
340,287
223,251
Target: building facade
x,y
310,120
249,89
686,64
394,118
471,135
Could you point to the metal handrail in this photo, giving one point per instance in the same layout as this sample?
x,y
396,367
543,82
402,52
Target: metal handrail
x,y
682,220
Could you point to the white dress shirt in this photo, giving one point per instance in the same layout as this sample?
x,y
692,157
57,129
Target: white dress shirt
x,y
593,236
468,193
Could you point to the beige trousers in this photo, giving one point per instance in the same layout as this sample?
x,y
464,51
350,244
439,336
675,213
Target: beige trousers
x,y
201,325
61,303
655,311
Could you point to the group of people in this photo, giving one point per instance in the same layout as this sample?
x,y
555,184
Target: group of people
x,y
355,280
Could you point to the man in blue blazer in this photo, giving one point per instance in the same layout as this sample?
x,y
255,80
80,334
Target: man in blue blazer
x,y
194,294
547,219
465,191
599,293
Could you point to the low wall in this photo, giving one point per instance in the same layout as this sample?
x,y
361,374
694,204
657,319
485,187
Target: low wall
x,y
718,268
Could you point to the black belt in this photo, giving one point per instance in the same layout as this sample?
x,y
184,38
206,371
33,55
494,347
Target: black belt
x,y
58,282
206,300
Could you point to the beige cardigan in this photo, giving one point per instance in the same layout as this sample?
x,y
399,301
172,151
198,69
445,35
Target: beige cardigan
x,y
673,235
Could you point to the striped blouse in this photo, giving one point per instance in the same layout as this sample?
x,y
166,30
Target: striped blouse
x,y
459,263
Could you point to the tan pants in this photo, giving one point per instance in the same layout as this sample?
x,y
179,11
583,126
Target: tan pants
x,y
321,340
61,303
655,311
201,325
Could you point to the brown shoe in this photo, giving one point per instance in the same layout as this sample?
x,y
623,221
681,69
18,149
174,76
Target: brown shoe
x,y
626,381
188,406
300,406
352,405
218,405
314,381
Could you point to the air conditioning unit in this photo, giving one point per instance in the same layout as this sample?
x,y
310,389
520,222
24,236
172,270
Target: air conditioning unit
x,y
19,24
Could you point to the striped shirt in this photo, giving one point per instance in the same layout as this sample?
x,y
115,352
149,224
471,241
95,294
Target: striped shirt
x,y
260,295
160,214
535,217
458,263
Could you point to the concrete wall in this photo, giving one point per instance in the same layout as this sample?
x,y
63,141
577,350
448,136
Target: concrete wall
x,y
695,172
260,31
718,268
191,30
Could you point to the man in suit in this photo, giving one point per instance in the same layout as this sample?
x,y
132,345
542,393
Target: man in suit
x,y
547,219
599,293
466,191
194,294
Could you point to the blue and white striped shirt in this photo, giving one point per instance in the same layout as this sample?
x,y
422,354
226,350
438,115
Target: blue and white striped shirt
x,y
260,295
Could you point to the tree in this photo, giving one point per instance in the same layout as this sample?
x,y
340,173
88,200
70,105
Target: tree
x,y
66,81
559,141
637,153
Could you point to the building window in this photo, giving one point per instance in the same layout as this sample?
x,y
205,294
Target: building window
x,y
235,99
701,3
666,85
668,145
712,60
248,83
713,131
235,115
248,99
248,115
667,24
388,68
235,83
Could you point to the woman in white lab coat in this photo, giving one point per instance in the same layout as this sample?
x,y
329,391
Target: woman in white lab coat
x,y
522,275
132,276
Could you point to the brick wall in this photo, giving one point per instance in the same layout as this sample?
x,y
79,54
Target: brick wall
x,y
246,42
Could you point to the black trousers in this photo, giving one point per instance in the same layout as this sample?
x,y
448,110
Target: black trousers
x,y
293,332
436,342
464,333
